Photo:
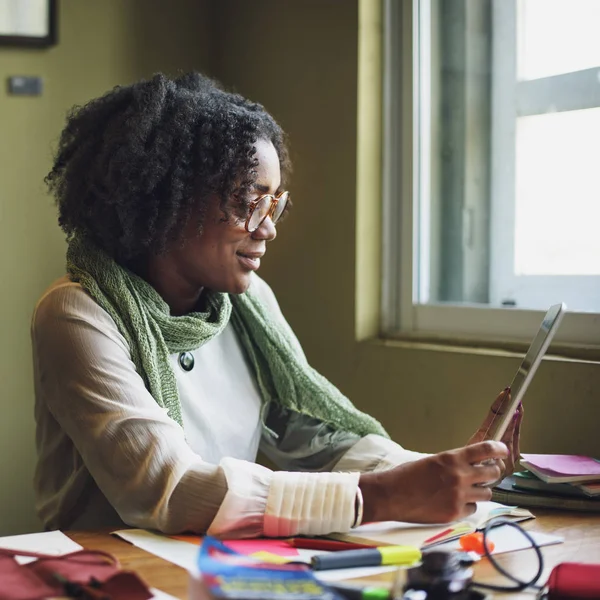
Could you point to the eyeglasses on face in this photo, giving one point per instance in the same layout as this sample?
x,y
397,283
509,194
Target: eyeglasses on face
x,y
266,206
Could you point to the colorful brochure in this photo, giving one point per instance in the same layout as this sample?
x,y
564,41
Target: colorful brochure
x,y
228,574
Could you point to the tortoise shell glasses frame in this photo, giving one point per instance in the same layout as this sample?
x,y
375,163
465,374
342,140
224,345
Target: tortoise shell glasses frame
x,y
265,206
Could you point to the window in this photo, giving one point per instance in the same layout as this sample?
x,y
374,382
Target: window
x,y
492,140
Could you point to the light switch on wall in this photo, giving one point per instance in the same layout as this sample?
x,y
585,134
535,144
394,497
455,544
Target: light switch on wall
x,y
25,85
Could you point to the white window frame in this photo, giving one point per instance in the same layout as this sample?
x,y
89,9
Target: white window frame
x,y
402,314
557,93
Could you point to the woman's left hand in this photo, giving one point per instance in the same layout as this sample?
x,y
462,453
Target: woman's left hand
x,y
511,435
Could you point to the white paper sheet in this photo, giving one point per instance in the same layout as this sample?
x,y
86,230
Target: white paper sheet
x,y
509,539
185,555
49,542
179,553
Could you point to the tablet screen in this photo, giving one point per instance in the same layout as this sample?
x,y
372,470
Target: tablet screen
x,y
524,375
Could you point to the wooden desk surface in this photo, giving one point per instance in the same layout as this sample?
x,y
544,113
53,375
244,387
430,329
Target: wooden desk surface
x,y
581,533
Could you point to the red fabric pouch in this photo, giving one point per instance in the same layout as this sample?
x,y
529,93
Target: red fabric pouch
x,y
574,581
88,573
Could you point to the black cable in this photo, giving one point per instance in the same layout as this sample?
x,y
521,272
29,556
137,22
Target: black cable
x,y
521,585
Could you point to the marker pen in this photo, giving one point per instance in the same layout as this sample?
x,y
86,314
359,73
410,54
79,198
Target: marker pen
x,y
371,557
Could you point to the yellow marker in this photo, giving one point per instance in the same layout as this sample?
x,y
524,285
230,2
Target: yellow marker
x,y
367,557
273,558
399,555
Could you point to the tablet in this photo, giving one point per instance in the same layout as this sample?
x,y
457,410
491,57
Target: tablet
x,y
514,394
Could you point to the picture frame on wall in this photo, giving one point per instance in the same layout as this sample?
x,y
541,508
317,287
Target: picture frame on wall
x,y
28,23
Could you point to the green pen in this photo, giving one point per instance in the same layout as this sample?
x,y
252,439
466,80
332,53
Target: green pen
x,y
351,592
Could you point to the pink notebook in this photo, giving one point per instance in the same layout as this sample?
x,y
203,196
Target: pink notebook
x,y
563,467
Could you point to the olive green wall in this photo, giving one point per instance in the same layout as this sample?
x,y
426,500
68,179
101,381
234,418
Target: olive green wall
x,y
299,58
101,44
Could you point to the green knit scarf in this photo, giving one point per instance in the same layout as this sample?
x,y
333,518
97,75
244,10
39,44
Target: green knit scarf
x,y
144,320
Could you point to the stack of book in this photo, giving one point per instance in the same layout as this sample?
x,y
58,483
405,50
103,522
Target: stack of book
x,y
555,481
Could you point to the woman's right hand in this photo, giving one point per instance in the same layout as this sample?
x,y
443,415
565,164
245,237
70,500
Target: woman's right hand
x,y
440,488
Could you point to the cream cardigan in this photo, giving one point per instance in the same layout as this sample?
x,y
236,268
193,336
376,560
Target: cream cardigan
x,y
108,454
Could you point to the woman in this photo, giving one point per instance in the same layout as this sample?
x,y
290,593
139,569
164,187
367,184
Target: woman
x,y
162,361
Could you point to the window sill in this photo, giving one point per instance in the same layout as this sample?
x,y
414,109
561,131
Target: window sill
x,y
477,347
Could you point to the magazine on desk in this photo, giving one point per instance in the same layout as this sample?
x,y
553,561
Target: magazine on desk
x,y
426,536
229,575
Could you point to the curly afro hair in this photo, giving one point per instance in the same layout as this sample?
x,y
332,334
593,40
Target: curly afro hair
x,y
133,165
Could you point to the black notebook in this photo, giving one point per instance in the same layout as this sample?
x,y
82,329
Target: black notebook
x,y
505,493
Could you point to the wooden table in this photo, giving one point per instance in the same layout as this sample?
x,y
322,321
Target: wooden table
x,y
581,533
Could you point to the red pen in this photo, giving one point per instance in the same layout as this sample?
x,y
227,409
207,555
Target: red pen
x,y
438,536
448,534
322,544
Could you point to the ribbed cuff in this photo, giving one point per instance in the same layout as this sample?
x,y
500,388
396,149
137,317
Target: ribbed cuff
x,y
310,503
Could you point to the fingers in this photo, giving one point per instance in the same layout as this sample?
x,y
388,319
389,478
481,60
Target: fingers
x,y
481,451
512,439
515,448
515,424
479,493
517,434
501,402
469,509
502,468
498,408
487,473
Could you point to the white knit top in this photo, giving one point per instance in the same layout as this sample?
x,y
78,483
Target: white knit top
x,y
109,454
